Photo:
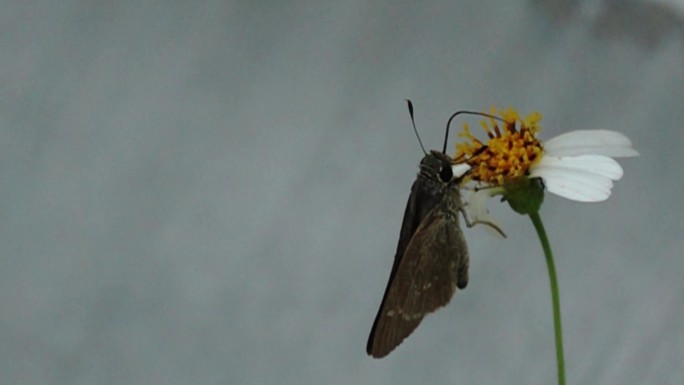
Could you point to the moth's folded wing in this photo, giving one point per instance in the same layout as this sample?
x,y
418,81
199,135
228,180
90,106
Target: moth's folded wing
x,y
425,280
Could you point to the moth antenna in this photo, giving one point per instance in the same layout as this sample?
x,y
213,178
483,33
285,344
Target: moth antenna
x,y
446,136
413,122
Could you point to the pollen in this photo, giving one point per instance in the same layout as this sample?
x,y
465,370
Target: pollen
x,y
507,154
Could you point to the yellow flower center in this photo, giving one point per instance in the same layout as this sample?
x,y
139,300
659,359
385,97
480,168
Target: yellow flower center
x,y
508,154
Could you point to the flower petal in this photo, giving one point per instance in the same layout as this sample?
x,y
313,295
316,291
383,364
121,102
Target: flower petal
x,y
575,185
597,142
476,206
458,170
595,164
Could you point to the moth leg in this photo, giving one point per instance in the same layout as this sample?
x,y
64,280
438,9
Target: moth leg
x,y
480,222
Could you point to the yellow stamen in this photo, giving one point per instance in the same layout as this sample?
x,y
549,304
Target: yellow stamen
x,y
508,154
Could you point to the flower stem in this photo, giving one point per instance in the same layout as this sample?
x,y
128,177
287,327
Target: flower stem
x,y
555,298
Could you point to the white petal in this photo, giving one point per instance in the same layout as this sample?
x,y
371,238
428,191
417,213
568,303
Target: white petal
x,y
597,142
595,164
476,206
575,185
459,169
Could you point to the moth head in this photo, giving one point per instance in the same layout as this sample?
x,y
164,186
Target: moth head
x,y
437,165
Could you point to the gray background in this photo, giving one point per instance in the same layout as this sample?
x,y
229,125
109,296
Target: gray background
x,y
211,192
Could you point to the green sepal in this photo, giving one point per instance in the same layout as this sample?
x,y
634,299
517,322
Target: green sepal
x,y
524,195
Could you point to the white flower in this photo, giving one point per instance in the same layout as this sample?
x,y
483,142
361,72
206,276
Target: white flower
x,y
579,165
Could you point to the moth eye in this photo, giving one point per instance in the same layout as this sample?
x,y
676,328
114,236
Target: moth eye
x,y
445,174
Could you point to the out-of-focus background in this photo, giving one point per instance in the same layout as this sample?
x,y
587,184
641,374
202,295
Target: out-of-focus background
x,y
211,192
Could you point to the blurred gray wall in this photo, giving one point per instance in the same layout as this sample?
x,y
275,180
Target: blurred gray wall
x,y
211,192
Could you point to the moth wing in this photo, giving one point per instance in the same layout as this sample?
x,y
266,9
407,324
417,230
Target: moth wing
x,y
434,263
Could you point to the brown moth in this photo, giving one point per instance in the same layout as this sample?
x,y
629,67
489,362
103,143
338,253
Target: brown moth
x,y
431,260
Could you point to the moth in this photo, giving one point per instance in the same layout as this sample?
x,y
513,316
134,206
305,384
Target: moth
x,y
431,260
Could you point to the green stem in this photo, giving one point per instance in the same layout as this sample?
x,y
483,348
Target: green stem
x,y
555,298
